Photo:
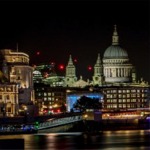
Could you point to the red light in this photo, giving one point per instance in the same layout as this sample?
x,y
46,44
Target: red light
x,y
89,68
75,60
38,53
61,67
58,110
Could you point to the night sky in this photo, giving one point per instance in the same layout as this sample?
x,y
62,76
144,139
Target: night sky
x,y
83,29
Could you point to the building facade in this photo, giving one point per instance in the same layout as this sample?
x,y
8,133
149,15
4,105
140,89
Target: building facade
x,y
9,104
49,98
114,77
16,69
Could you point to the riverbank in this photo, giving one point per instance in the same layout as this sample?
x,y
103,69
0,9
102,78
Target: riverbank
x,y
105,125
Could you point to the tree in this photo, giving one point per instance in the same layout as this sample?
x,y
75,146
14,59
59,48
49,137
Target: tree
x,y
84,103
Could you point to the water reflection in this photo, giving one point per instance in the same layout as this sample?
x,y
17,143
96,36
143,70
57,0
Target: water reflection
x,y
108,140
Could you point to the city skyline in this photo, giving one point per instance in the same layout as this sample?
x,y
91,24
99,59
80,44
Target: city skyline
x,y
83,29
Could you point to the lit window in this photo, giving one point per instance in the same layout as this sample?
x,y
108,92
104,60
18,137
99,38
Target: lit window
x,y
124,100
49,98
120,100
49,94
124,105
124,96
39,94
128,100
133,91
138,91
119,91
120,105
120,96
128,91
128,95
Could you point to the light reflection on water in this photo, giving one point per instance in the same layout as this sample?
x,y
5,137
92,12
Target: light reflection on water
x,y
108,140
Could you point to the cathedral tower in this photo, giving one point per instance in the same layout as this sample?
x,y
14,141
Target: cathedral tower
x,y
98,72
70,78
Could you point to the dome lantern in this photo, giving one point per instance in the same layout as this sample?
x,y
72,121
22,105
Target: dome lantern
x,y
115,51
115,37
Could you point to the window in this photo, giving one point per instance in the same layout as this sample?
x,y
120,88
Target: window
x,y
124,105
120,100
128,95
49,98
128,91
120,96
128,100
124,96
8,109
7,97
119,91
124,100
133,91
120,105
39,94
49,94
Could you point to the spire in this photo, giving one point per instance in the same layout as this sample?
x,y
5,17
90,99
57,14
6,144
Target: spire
x,y
70,60
98,59
115,37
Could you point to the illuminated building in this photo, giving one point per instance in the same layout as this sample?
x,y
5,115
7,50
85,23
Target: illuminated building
x,y
126,97
74,95
46,74
46,97
8,99
70,73
98,72
115,77
16,69
116,66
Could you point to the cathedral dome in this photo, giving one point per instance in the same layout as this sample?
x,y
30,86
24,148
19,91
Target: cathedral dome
x,y
115,51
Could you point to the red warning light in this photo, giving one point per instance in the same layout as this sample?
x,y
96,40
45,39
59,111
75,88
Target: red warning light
x,y
38,53
75,60
61,67
89,68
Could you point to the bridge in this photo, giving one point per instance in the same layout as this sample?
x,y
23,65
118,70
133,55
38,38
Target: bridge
x,y
54,122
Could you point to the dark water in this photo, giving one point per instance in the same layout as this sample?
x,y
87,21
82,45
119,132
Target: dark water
x,y
108,140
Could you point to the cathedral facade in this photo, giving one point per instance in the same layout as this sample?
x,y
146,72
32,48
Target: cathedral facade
x,y
115,77
114,67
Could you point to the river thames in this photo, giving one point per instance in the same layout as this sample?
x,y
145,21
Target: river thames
x,y
108,140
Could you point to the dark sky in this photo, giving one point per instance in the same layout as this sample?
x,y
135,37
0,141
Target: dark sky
x,y
80,28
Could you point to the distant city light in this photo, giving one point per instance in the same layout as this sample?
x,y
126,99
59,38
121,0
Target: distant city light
x,y
52,63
